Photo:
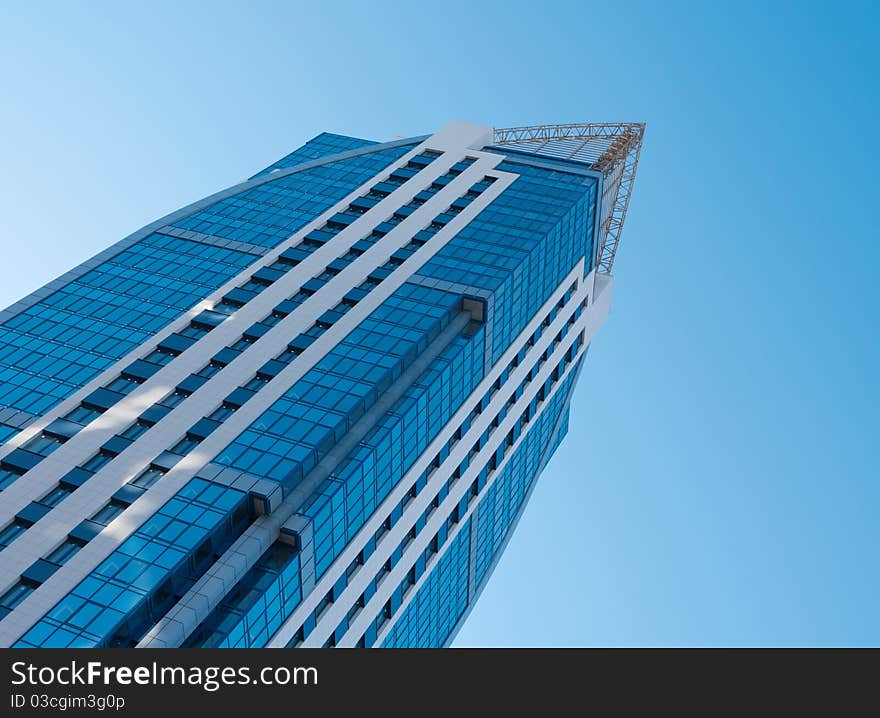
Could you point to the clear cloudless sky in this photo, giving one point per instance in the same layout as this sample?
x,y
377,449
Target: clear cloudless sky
x,y
719,483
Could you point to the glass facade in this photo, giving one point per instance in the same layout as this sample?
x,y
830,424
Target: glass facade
x,y
136,584
323,145
384,369
63,342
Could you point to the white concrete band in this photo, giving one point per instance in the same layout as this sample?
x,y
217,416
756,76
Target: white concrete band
x,y
91,496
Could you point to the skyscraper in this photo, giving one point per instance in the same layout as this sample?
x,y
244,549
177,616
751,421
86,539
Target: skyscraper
x,y
307,410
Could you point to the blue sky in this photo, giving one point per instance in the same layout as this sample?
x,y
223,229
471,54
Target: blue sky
x,y
719,482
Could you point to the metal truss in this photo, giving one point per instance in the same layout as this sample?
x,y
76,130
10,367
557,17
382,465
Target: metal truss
x,y
610,148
